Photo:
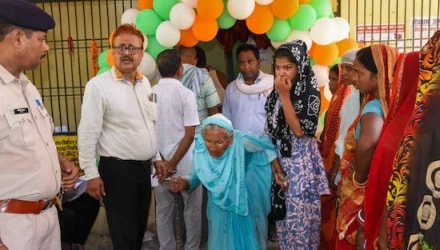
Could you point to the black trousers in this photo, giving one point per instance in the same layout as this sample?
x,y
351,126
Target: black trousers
x,y
127,200
77,218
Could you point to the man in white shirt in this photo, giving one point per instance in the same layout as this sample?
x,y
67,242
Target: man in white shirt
x,y
118,123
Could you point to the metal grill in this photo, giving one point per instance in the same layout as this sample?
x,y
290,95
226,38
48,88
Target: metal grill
x,y
62,77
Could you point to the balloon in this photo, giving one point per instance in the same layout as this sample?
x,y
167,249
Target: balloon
x,y
187,38
192,3
145,45
129,16
343,28
225,21
321,73
327,93
241,9
325,54
102,70
204,30
284,9
102,59
145,4
147,21
346,45
264,2
261,20
304,18
167,35
296,35
182,16
110,58
323,8
279,31
110,39
147,65
210,9
324,31
154,47
304,1
163,8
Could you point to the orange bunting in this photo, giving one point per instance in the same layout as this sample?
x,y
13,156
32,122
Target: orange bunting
x,y
94,57
261,20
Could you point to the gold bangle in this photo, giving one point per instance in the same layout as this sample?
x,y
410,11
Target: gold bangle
x,y
357,184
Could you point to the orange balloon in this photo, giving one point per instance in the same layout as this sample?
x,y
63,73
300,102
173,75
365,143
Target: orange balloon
x,y
261,20
204,29
145,4
284,9
210,9
324,102
345,45
304,1
325,54
110,39
187,38
110,58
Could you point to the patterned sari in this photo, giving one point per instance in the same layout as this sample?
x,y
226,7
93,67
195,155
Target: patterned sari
x,y
403,162
352,196
402,104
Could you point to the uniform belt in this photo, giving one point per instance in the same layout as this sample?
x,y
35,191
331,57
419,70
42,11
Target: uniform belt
x,y
25,207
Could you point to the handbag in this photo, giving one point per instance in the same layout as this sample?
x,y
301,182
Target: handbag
x,y
278,203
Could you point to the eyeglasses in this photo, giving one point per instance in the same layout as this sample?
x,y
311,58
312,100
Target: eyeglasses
x,y
131,49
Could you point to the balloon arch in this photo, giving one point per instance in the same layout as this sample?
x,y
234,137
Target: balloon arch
x,y
167,23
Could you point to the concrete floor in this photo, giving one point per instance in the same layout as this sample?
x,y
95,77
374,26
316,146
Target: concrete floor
x,y
99,238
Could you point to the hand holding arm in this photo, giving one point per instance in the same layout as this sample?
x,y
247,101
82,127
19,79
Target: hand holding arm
x,y
279,175
178,184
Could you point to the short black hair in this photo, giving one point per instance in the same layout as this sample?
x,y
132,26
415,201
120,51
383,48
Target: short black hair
x,y
365,57
201,57
248,47
168,62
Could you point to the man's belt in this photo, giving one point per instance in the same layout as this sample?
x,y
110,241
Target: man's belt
x,y
25,207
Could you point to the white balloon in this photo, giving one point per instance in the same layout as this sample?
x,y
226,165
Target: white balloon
x,y
295,35
192,3
321,73
327,93
145,41
182,16
264,2
324,31
167,35
343,28
129,16
241,9
147,65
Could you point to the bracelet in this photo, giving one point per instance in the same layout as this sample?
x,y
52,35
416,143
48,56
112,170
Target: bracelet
x,y
360,218
357,184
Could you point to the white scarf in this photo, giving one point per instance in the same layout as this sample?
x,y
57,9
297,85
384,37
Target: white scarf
x,y
263,84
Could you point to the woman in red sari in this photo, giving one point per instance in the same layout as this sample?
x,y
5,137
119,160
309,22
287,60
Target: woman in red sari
x,y
373,69
402,104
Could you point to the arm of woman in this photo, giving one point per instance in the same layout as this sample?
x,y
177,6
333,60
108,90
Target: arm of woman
x,y
283,86
371,127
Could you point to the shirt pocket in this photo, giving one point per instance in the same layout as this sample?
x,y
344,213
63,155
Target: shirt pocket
x,y
21,129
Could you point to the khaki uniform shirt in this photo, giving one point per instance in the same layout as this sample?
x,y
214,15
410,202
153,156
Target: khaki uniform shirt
x,y
29,166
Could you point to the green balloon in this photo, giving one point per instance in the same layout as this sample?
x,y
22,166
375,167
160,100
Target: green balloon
x,y
337,61
102,70
147,21
163,7
323,8
304,18
279,31
225,20
102,59
154,47
312,61
322,117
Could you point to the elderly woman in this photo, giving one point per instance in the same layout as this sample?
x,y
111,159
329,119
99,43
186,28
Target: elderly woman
x,y
236,170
